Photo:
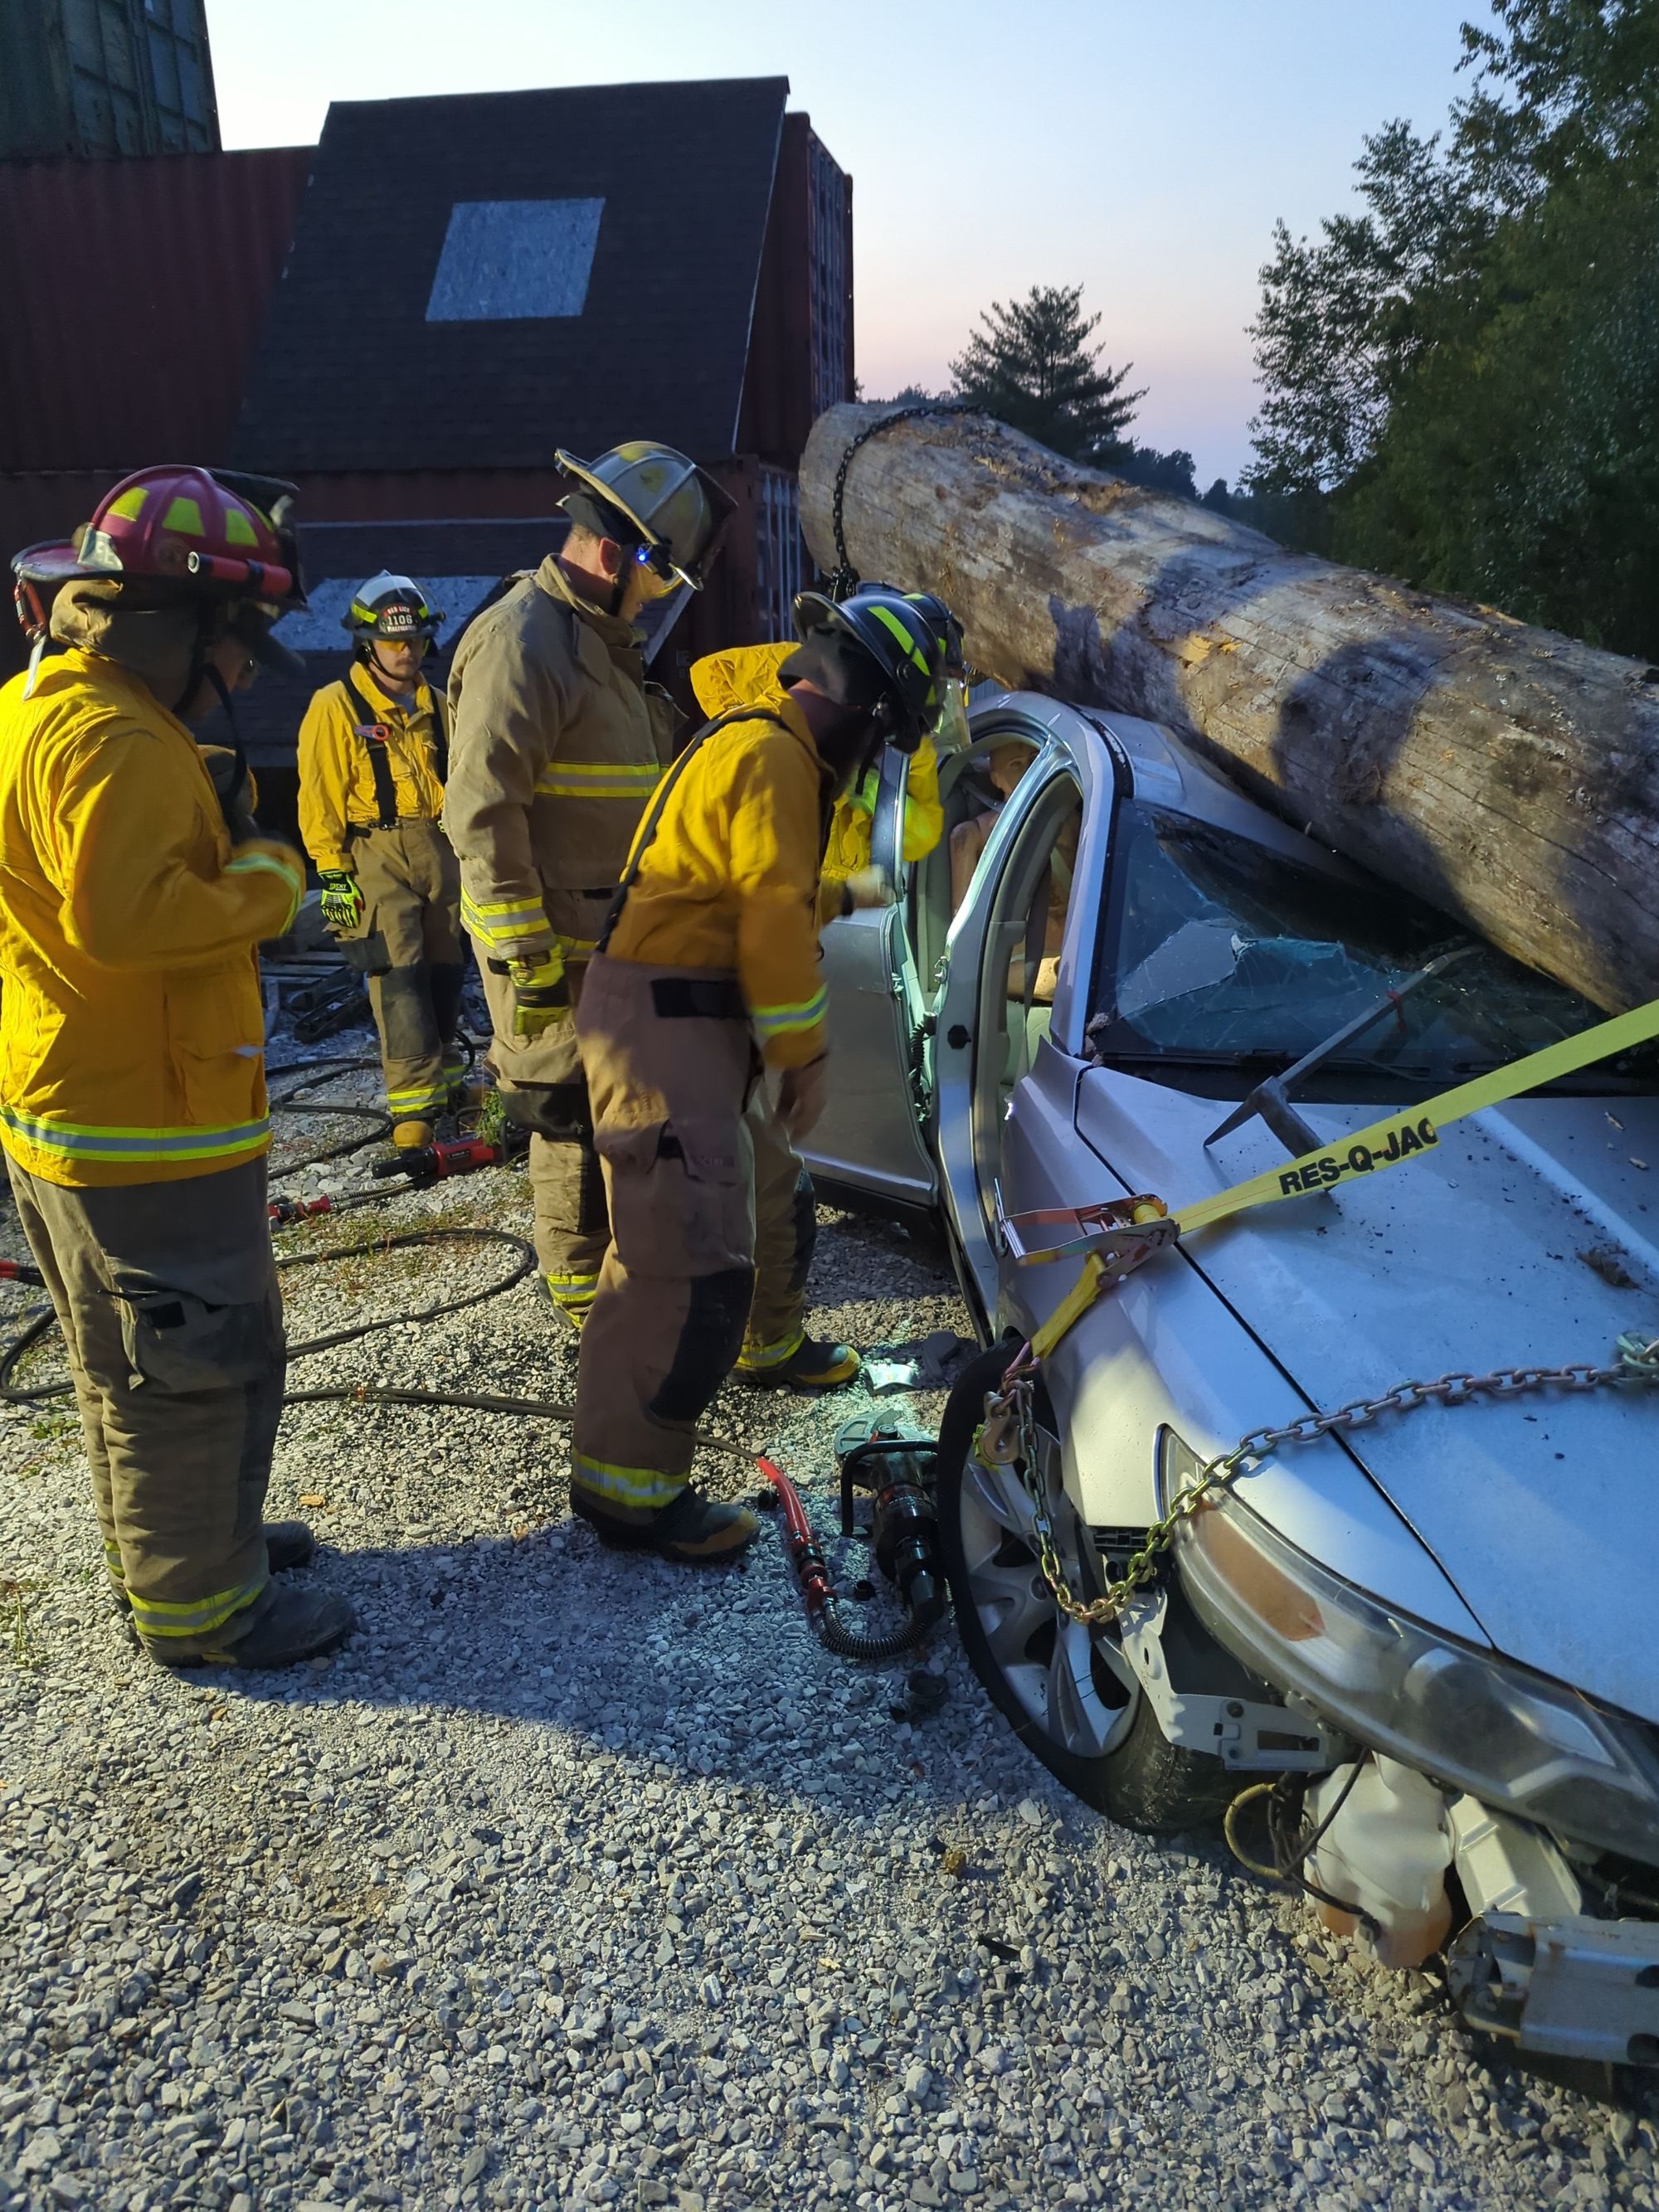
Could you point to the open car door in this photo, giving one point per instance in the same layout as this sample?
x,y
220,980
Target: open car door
x,y
872,1136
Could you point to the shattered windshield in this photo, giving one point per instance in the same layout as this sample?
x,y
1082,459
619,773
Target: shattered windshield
x,y
1218,949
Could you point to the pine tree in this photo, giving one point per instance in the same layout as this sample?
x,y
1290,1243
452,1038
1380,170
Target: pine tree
x,y
1031,366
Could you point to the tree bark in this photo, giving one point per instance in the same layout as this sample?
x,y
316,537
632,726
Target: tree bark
x,y
1507,775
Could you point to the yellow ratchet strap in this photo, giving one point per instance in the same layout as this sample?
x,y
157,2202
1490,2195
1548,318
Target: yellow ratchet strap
x,y
1403,1136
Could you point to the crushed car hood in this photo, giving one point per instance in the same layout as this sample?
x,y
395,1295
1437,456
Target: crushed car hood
x,y
1530,1236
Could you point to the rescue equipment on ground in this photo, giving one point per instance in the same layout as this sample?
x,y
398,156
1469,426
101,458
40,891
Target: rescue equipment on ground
x,y
895,1465
439,1161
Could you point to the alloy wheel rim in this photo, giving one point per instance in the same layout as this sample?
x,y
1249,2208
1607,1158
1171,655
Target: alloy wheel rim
x,y
1074,1683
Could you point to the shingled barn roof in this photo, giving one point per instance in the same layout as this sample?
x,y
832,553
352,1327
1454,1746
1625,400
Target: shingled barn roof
x,y
474,278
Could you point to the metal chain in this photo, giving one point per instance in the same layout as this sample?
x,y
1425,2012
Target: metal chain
x,y
845,578
1008,1438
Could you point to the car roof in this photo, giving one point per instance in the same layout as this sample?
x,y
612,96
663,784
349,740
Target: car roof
x,y
1165,770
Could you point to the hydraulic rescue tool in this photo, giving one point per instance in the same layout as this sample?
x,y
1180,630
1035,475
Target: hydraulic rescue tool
x,y
895,1465
437,1162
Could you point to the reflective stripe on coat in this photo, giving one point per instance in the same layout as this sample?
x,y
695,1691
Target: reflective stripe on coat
x,y
553,754
131,1025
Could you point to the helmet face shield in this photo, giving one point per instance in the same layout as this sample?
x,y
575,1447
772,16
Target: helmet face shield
x,y
950,730
677,511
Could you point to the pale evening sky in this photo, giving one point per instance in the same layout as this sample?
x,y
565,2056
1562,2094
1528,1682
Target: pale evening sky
x,y
1143,149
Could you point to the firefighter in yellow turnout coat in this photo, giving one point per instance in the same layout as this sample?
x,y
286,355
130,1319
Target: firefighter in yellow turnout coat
x,y
373,755
133,1094
708,973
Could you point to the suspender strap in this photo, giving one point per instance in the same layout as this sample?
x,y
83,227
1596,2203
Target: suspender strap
x,y
647,830
440,733
371,730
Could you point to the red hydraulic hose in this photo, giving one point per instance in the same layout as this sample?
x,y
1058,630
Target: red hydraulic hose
x,y
810,1567
812,1572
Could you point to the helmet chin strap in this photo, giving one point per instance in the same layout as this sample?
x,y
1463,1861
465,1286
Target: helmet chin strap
x,y
201,667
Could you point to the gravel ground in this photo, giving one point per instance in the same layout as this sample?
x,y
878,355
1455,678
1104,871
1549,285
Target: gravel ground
x,y
580,1879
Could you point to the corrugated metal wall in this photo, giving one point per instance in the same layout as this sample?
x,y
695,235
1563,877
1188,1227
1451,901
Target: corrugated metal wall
x,y
134,297
800,341
106,77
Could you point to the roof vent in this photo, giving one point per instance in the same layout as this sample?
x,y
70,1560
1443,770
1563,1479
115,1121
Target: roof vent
x,y
514,260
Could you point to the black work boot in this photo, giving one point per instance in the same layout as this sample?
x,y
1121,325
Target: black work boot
x,y
296,1625
289,1545
694,1527
814,1365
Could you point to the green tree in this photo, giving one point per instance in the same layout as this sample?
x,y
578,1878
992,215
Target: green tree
x,y
1031,365
1344,317
1461,383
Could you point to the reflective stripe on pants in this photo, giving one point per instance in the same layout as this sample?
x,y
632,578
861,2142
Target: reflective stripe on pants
x,y
167,1297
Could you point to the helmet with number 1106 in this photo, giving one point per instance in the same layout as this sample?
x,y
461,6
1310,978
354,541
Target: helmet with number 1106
x,y
912,645
393,608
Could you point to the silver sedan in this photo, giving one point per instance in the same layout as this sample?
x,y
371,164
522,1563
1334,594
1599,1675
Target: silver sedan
x,y
1427,1635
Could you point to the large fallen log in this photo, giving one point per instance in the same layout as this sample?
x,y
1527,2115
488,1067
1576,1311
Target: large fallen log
x,y
1507,775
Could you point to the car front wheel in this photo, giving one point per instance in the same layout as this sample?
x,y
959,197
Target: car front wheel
x,y
1069,1693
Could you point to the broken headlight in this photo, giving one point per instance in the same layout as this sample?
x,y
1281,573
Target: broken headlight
x,y
1462,1716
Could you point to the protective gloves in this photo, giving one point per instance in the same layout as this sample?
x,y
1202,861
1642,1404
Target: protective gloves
x,y
541,995
801,1095
342,899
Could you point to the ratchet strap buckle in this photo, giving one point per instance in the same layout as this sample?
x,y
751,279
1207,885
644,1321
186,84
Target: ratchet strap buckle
x,y
1118,1233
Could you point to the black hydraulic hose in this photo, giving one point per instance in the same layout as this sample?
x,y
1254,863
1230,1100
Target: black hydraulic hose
x,y
289,1102
852,1644
525,1265
17,1352
479,1402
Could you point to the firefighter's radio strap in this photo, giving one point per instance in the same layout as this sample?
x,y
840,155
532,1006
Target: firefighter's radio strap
x,y
1117,1234
645,834
375,733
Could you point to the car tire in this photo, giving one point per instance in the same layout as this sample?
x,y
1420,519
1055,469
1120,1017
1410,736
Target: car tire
x,y
1142,1781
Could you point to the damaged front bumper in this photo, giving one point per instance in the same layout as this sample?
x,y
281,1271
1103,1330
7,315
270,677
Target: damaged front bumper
x,y
1531,1966
1575,1988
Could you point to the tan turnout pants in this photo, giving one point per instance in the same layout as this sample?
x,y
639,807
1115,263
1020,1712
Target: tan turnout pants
x,y
672,1066
786,1233
166,1296
543,1090
410,936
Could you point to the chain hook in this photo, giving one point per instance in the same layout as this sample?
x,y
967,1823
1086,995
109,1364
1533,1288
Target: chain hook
x,y
845,578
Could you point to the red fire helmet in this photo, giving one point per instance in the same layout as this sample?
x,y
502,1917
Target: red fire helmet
x,y
203,529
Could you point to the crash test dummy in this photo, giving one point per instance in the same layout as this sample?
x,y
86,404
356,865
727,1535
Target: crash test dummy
x,y
705,976
776,1347
556,744
132,1093
373,758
